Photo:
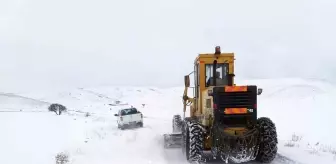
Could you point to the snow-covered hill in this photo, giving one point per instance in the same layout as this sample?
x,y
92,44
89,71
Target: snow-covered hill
x,y
302,110
12,102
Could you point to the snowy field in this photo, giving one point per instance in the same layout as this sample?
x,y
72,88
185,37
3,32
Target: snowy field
x,y
302,110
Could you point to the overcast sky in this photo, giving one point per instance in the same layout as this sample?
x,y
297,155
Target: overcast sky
x,y
154,42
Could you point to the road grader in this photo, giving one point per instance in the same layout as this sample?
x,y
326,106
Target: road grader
x,y
222,122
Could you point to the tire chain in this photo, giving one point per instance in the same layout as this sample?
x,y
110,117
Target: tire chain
x,y
196,141
196,132
239,149
268,134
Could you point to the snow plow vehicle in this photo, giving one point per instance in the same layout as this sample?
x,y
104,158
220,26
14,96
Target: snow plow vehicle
x,y
222,122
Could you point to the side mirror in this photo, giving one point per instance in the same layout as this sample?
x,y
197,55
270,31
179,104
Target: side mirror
x,y
186,81
259,91
115,114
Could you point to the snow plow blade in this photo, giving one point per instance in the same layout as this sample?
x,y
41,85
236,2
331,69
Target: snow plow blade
x,y
173,140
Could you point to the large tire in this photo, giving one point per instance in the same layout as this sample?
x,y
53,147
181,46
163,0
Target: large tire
x,y
268,140
177,123
192,141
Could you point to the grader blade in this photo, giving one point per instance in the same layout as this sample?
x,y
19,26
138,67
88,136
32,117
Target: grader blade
x,y
173,140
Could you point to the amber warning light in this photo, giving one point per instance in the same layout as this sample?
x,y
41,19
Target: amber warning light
x,y
218,50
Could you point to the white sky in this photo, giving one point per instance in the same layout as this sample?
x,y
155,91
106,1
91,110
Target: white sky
x,y
154,42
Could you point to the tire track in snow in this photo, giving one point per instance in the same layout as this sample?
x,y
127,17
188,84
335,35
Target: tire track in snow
x,y
283,159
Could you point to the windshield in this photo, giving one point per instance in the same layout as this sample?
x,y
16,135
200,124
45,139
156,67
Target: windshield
x,y
129,111
222,71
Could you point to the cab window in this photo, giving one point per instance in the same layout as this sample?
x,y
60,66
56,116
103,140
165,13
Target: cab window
x,y
221,78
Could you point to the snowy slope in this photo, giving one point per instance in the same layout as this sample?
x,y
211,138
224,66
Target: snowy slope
x,y
12,102
298,106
